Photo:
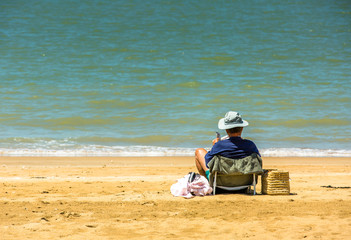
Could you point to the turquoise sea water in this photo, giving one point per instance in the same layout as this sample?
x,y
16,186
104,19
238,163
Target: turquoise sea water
x,y
154,77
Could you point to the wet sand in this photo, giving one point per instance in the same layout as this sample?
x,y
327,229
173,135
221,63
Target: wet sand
x,y
129,198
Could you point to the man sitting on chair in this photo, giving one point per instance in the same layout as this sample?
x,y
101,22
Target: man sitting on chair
x,y
232,147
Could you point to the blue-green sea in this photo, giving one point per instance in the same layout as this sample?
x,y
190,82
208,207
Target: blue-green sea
x,y
136,77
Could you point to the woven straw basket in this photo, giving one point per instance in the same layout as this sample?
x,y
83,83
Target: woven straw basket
x,y
275,182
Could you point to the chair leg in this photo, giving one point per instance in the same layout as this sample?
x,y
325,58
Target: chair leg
x,y
254,183
214,183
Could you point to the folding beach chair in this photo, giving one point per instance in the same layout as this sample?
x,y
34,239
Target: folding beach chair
x,y
241,182
235,174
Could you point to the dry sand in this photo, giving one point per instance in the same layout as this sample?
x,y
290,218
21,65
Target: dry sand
x,y
129,198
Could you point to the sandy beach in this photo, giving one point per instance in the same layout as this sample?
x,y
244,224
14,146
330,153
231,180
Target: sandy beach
x,y
129,198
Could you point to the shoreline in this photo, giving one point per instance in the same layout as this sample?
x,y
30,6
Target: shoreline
x,y
129,198
156,151
146,160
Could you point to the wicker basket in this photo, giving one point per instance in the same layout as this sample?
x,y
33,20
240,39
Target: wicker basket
x,y
275,182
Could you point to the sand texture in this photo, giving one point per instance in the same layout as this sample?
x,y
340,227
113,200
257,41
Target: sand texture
x,y
129,198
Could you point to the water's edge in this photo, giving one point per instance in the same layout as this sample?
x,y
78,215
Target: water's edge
x,y
140,151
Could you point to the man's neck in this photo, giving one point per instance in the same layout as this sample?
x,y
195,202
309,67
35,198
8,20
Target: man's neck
x,y
234,135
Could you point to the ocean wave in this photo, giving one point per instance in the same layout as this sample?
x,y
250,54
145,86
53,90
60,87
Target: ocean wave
x,y
305,152
96,150
150,151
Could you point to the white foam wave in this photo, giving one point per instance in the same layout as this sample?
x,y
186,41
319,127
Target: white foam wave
x,y
305,152
118,151
136,151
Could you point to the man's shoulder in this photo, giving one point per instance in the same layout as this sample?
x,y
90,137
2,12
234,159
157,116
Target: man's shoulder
x,y
249,143
247,140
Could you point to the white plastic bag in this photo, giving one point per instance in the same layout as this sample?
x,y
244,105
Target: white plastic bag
x,y
198,187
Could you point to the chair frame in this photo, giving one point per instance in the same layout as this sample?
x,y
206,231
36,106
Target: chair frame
x,y
235,188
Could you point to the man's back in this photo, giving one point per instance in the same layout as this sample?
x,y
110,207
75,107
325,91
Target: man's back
x,y
234,147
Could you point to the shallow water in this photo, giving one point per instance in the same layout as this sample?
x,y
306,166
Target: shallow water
x,y
116,77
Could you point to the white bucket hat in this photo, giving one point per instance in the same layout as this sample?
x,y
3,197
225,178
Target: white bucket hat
x,y
232,120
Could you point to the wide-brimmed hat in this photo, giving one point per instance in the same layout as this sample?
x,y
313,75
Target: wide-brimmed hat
x,y
232,120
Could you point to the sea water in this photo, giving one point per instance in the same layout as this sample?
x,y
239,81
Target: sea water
x,y
130,78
